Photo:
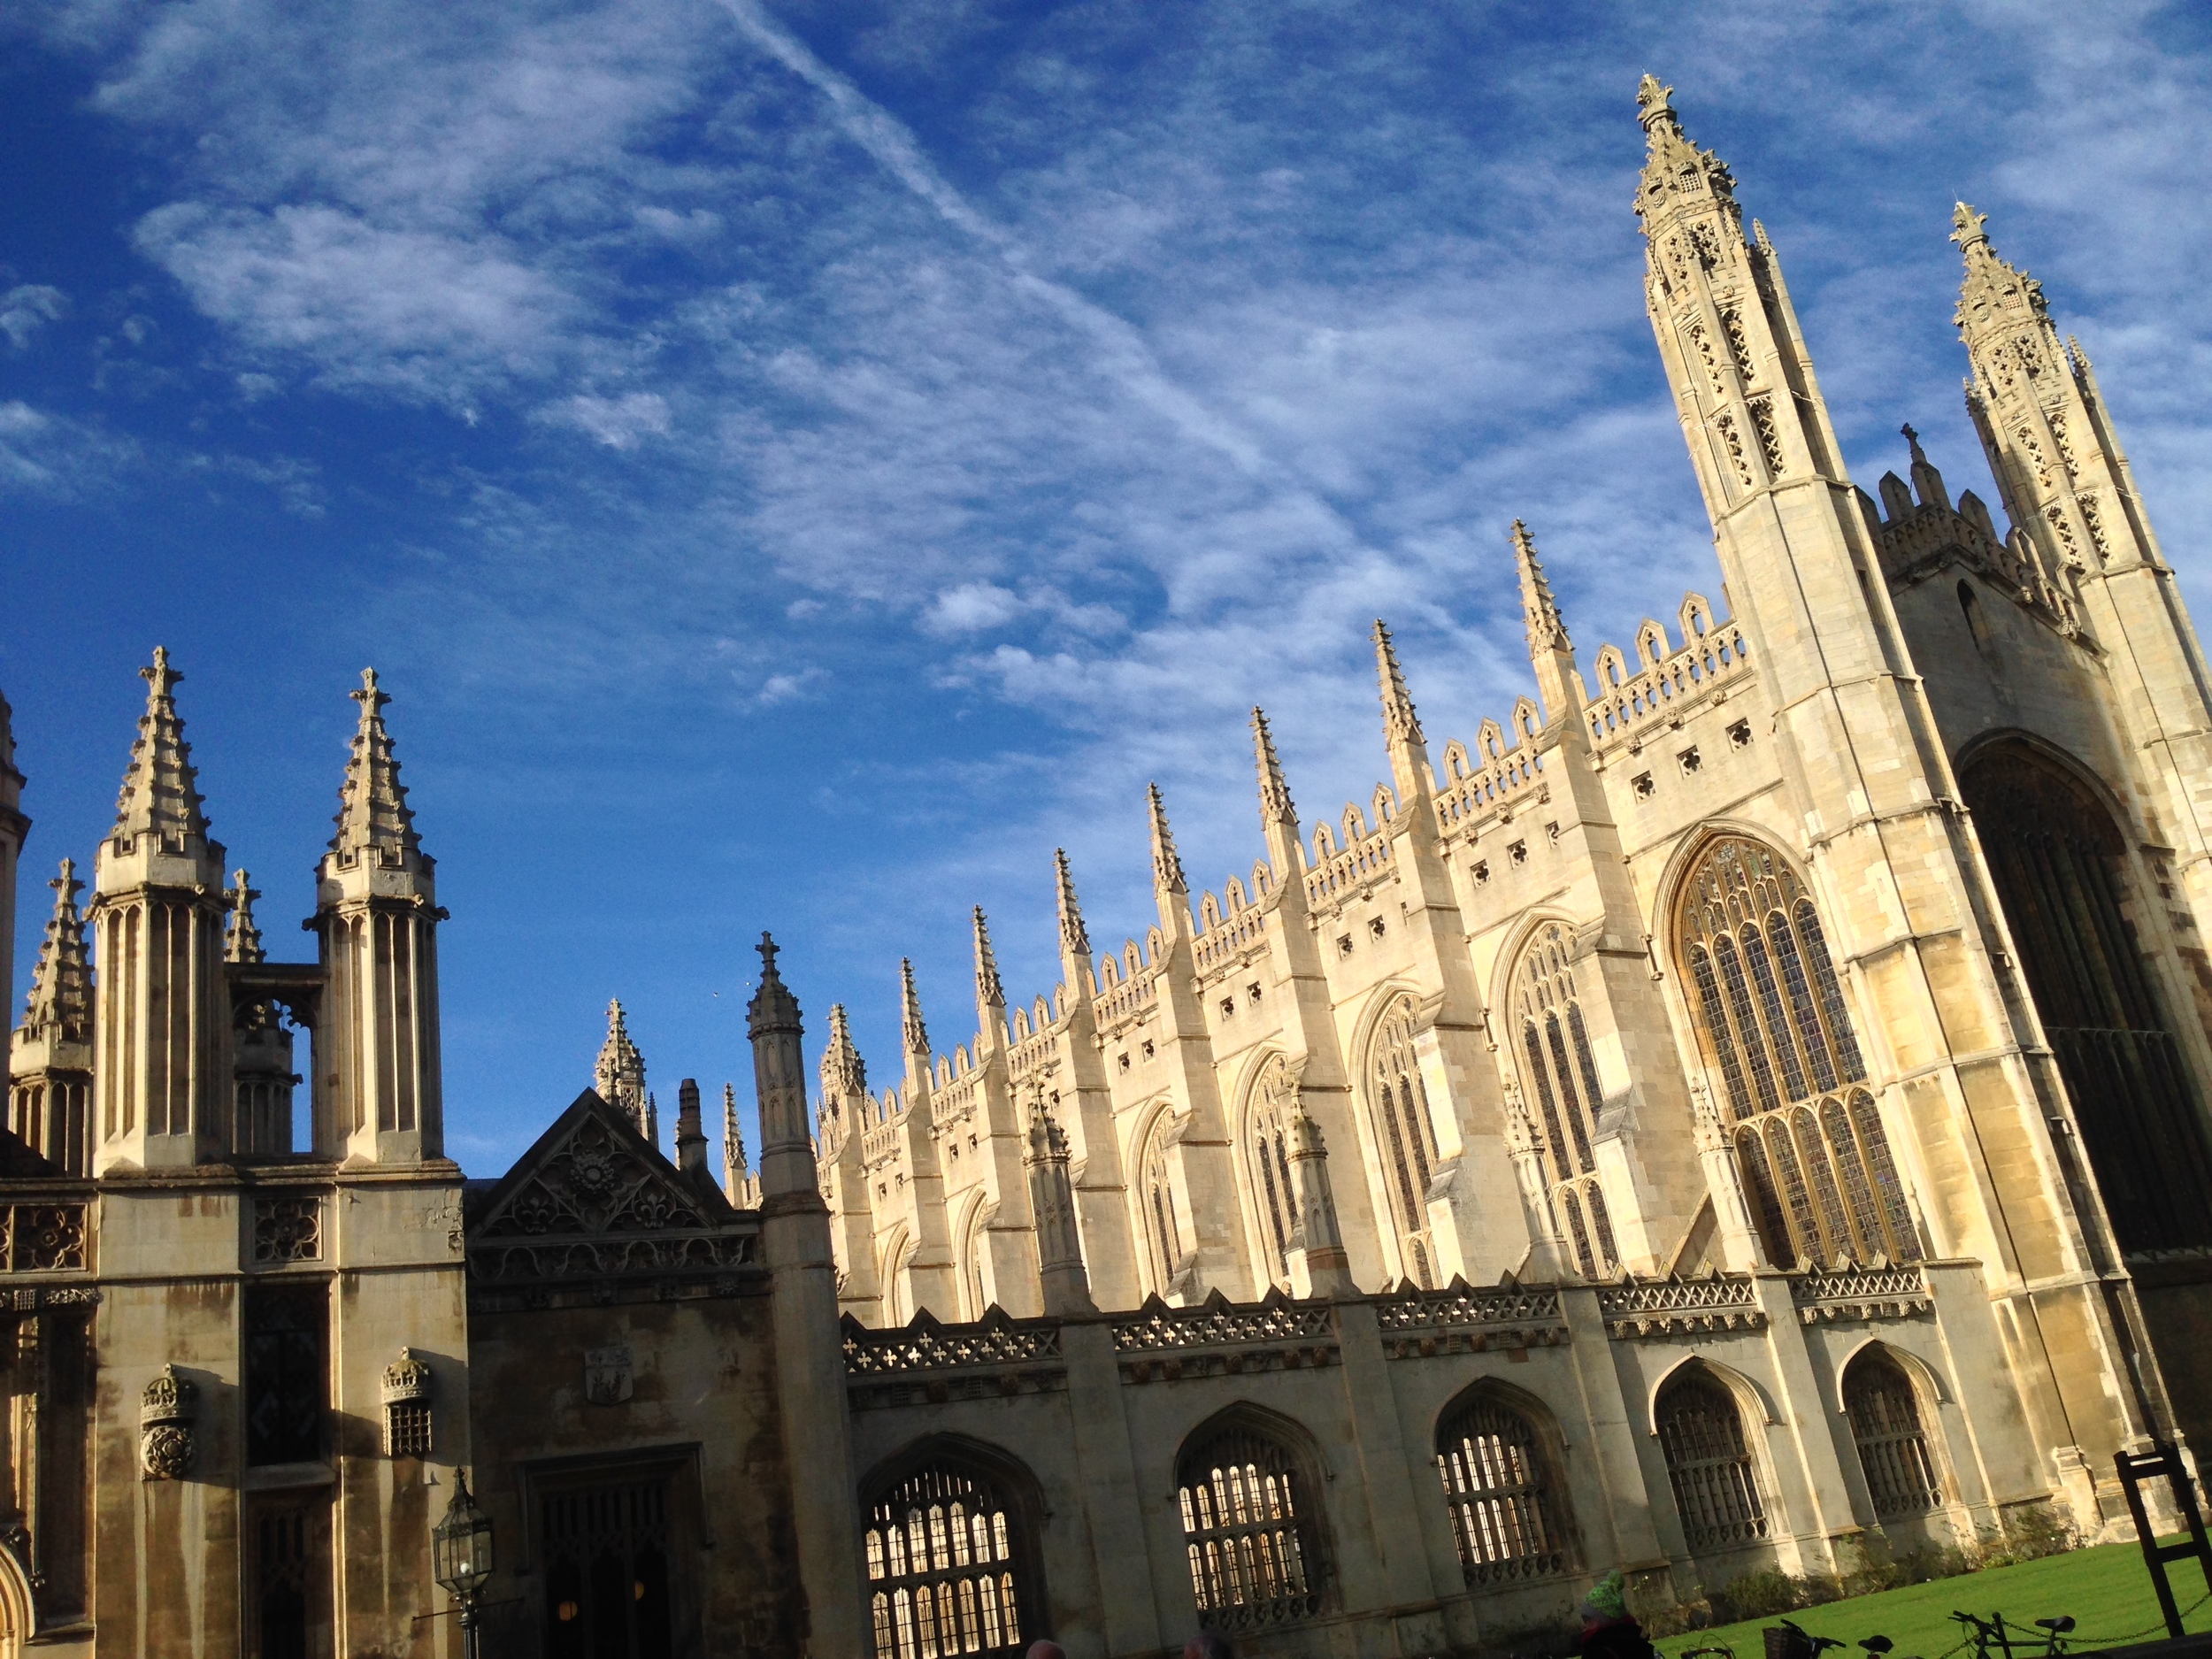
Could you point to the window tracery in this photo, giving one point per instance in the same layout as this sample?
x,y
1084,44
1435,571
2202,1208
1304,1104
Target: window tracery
x,y
1267,1156
1560,1073
1885,1411
1400,1106
945,1572
1157,1191
1254,1550
1506,1512
1811,1150
1709,1465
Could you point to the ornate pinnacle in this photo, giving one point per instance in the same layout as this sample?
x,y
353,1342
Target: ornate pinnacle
x,y
1400,724
842,1072
988,990
160,794
1966,229
1275,804
911,1031
1547,630
733,1170
1669,154
373,811
618,1075
61,985
1656,103
773,1008
1073,938
1167,864
241,940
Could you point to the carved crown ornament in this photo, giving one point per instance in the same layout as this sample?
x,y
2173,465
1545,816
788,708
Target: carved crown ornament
x,y
167,1441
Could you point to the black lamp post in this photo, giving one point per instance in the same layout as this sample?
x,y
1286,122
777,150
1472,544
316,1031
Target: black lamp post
x,y
461,1550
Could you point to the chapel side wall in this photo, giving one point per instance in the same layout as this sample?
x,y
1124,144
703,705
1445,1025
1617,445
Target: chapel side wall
x,y
703,1386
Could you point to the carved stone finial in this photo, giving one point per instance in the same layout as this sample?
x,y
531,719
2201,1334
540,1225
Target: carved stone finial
x,y
1400,724
1539,611
913,1032
1167,864
1074,938
1654,103
989,990
373,816
160,795
1275,803
60,999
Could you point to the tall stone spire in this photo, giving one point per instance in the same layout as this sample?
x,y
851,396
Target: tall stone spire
x,y
51,1056
990,992
619,1074
241,940
373,816
1066,1287
1075,940
1402,731
162,1086
844,1074
1167,864
787,1146
1278,818
61,985
912,1033
161,793
14,830
735,1175
1550,652
380,1097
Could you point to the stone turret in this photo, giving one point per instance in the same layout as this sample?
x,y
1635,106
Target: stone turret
x,y
1319,1265
162,1075
809,1359
379,1095
618,1075
691,1133
1067,1289
50,1065
261,1046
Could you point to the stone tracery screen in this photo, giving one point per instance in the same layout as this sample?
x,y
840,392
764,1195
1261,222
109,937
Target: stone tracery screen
x,y
1500,1494
1716,1483
1811,1150
1404,1137
943,1576
1560,1076
1267,1153
1884,1413
1254,1550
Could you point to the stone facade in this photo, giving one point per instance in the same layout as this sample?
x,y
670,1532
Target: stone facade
x,y
1745,1111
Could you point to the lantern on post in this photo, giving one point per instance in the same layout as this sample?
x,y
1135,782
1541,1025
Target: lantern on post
x,y
461,1551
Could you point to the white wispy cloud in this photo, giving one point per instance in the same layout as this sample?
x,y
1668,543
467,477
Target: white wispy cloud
x,y
28,307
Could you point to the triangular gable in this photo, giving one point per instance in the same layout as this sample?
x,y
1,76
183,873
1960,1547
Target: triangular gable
x,y
19,1162
593,1198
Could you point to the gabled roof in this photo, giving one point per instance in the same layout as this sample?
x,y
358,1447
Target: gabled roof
x,y
591,1173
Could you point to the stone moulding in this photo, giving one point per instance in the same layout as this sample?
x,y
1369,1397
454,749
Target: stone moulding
x,y
1860,1293
1676,1307
1218,1323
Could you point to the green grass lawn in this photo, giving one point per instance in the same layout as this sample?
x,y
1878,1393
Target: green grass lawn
x,y
2107,1589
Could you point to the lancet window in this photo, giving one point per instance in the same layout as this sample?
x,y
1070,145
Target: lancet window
x,y
1811,1150
1408,1143
1267,1159
1505,1508
1163,1227
947,1570
1885,1411
1560,1074
1714,1479
1248,1526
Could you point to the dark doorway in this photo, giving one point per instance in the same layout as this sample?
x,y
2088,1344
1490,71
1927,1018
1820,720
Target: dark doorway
x,y
606,1572
2061,874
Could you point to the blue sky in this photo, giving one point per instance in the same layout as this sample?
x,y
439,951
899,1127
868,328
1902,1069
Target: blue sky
x,y
793,466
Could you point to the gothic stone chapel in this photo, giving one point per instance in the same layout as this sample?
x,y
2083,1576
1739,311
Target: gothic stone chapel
x,y
1746,1110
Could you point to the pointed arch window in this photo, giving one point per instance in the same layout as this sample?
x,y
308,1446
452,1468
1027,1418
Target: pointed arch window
x,y
1400,1106
1811,1151
1267,1157
1708,1464
1157,1191
950,1567
1248,1528
1508,1510
1885,1411
1560,1073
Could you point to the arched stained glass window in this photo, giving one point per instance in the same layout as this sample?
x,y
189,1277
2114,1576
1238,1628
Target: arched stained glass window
x,y
1508,1516
1885,1412
1560,1073
1156,1193
1770,1015
1399,1104
1248,1527
1716,1482
1267,1159
948,1568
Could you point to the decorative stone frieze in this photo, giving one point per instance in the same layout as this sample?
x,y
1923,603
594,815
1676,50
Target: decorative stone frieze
x,y
1678,1307
1860,1293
